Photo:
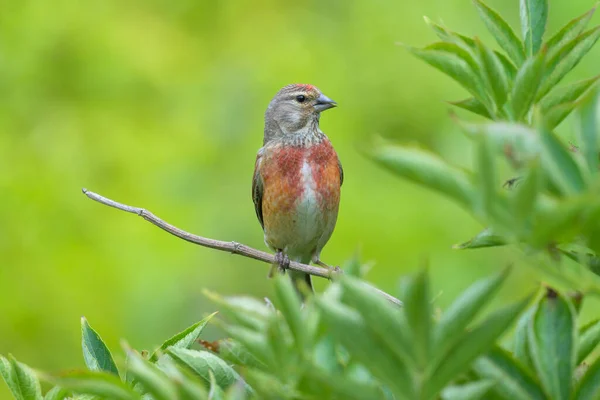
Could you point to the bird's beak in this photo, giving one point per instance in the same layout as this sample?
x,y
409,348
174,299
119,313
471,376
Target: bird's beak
x,y
324,103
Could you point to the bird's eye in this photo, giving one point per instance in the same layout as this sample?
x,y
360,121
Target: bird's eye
x,y
300,98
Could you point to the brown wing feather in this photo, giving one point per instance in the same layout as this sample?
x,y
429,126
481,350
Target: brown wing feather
x,y
341,172
257,189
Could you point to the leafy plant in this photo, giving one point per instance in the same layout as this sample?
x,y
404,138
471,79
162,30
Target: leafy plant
x,y
551,206
508,85
348,343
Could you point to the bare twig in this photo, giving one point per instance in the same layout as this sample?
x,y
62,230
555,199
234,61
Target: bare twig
x,y
230,247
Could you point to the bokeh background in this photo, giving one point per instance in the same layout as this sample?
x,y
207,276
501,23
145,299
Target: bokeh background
x,y
160,104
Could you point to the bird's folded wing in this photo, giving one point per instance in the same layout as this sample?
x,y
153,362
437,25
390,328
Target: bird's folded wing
x,y
341,172
257,188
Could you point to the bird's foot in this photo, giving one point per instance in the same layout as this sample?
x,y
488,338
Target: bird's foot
x,y
332,270
282,260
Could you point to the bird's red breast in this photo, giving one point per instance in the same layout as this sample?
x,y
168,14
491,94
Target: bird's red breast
x,y
301,194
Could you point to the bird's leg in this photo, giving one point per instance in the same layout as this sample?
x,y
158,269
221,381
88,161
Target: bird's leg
x,y
281,264
282,260
332,270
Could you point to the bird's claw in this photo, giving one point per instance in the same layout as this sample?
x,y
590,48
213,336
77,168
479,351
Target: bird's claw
x,y
282,260
334,271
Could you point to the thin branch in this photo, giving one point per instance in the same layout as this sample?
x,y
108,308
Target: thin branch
x,y
230,247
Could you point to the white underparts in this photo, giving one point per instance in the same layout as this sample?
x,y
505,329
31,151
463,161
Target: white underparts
x,y
308,215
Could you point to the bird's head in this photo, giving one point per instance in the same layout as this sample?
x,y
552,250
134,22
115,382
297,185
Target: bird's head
x,y
295,110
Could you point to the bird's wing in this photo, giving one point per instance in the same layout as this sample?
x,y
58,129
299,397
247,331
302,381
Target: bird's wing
x,y
341,172
257,188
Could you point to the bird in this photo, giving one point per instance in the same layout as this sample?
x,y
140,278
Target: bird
x,y
297,180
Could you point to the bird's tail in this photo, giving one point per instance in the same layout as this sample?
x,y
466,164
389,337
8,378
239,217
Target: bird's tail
x,y
300,280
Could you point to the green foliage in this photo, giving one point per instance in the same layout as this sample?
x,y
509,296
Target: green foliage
x,y
183,339
557,186
551,205
95,353
351,343
509,87
20,379
534,14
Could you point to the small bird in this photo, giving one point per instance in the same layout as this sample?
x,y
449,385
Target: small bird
x,y
297,179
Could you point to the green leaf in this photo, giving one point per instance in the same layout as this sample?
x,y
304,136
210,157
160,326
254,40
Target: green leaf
x,y
566,58
448,35
455,62
426,169
589,260
559,163
589,338
236,353
468,391
568,32
486,178
325,355
517,142
512,380
95,353
150,377
494,75
268,387
521,339
188,385
277,334
534,14
256,343
97,383
556,115
57,393
588,128
510,71
183,339
385,319
244,310
471,345
350,328
456,318
473,105
203,363
526,195
589,386
86,397
526,85
289,304
502,32
342,386
463,52
566,94
555,224
552,339
215,393
22,382
464,41
418,314
236,392
485,238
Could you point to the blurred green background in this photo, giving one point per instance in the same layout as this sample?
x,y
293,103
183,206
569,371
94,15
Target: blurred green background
x,y
160,104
